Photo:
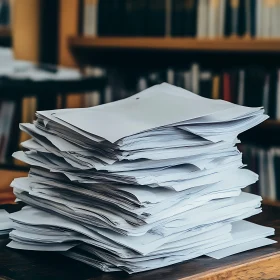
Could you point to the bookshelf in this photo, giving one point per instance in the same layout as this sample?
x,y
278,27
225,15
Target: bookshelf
x,y
76,50
179,44
271,203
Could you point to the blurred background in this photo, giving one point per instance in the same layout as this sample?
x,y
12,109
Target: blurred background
x,y
82,53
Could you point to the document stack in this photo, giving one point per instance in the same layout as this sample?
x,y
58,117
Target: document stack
x,y
141,183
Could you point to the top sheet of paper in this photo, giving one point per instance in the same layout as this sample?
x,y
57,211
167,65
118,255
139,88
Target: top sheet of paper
x,y
157,106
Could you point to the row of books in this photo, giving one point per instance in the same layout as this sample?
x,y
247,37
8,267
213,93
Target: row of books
x,y
251,86
5,13
266,163
190,18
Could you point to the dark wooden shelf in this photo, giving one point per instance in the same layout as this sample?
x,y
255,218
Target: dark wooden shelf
x,y
14,167
269,202
180,44
270,124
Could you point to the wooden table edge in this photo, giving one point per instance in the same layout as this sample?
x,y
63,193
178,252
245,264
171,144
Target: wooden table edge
x,y
267,267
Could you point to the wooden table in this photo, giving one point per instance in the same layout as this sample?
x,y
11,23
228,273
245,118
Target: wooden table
x,y
263,263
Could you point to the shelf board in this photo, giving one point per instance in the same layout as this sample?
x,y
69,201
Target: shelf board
x,y
14,167
180,44
270,124
270,202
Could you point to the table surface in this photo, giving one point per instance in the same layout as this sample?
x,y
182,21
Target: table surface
x,y
262,263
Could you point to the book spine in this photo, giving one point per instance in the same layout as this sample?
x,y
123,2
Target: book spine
x,y
266,19
253,13
278,96
190,18
94,16
187,80
271,171
195,77
85,17
168,17
226,87
205,84
202,19
170,76
273,19
259,18
234,18
277,21
222,14
216,87
248,18
266,93
241,87
212,18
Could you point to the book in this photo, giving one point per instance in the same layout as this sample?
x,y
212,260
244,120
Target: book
x,y
28,109
187,80
228,18
189,23
156,18
182,18
213,18
178,26
266,15
265,101
221,18
241,87
216,87
202,18
195,78
205,84
243,18
90,17
234,5
253,17
103,28
254,82
226,87
278,95
169,16
259,18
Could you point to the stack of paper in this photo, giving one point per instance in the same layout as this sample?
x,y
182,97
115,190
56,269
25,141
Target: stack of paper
x,y
6,225
141,183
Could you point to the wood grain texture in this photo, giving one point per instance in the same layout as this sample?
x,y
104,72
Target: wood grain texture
x,y
68,26
26,29
183,44
262,263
